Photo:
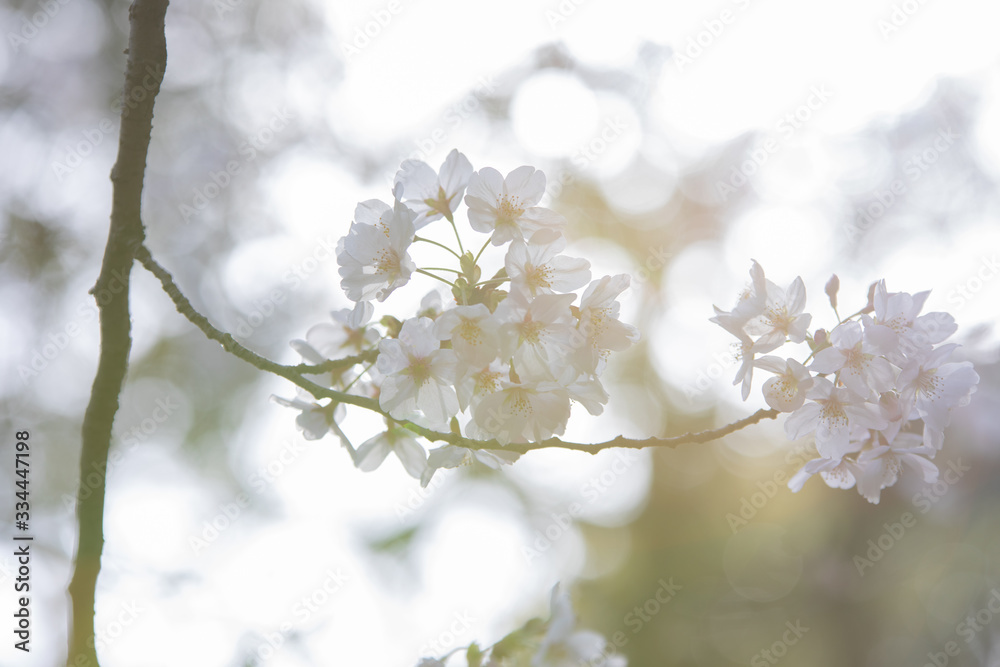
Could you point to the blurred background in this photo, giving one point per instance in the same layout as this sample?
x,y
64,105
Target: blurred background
x,y
860,138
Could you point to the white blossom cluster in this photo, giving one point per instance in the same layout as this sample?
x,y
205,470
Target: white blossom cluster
x,y
508,355
555,642
878,392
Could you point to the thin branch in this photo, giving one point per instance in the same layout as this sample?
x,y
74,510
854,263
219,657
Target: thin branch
x,y
293,374
592,448
365,357
147,61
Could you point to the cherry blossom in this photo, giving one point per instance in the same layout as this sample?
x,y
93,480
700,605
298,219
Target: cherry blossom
x,y
432,195
830,413
857,360
395,440
373,256
506,207
473,332
933,386
566,646
786,391
537,267
598,330
526,412
418,374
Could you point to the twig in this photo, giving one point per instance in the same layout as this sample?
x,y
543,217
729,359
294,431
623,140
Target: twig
x,y
295,375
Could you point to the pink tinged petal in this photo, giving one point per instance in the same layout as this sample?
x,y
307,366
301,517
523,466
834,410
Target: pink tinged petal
x,y
935,327
540,220
487,185
808,470
417,335
308,353
872,479
866,415
589,393
418,179
391,357
411,455
880,374
527,183
880,339
747,377
782,394
313,424
854,380
846,335
757,276
918,301
933,437
799,327
455,173
925,468
570,273
798,480
327,339
360,315
772,363
372,452
438,403
370,212
881,300
829,360
795,297
395,395
839,476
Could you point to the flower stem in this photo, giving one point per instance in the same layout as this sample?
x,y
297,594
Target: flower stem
x,y
457,237
427,273
480,253
440,245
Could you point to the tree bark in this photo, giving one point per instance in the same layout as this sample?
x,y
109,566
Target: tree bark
x,y
147,60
